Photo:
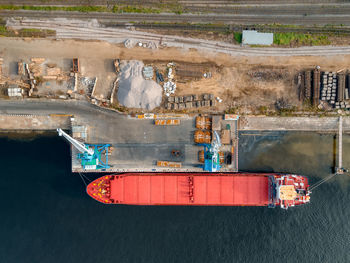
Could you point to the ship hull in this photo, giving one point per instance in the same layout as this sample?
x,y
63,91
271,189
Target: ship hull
x,y
190,189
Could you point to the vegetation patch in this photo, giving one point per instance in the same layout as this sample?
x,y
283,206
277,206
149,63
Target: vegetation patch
x,y
26,32
298,39
238,37
177,9
55,8
134,9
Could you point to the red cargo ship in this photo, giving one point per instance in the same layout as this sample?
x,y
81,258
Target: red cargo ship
x,y
201,189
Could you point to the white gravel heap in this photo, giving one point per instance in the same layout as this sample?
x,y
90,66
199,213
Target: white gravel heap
x,y
134,91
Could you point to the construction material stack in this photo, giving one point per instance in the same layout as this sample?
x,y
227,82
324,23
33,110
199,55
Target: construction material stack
x,y
341,87
316,87
307,85
334,90
168,122
203,134
329,89
190,101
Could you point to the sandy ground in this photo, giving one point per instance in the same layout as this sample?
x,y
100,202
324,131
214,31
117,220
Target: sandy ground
x,y
240,80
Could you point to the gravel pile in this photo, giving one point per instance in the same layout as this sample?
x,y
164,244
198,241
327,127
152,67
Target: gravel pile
x,y
134,91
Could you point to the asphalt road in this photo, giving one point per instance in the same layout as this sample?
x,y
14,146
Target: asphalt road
x,y
41,107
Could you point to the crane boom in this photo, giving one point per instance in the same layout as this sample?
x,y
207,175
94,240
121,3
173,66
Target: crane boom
x,y
79,146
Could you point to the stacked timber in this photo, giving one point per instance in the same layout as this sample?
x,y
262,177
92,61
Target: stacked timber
x,y
169,122
341,87
169,164
316,87
202,136
20,68
301,83
200,122
347,88
307,85
38,60
207,137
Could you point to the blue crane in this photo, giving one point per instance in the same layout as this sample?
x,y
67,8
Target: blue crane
x,y
90,154
211,155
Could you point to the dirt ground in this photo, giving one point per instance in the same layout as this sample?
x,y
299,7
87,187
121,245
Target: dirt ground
x,y
207,35
240,81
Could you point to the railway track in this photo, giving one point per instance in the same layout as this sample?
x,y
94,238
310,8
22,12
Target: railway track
x,y
342,19
232,28
156,2
217,7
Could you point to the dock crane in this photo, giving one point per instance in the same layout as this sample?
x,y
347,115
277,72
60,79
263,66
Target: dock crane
x,y
211,155
90,154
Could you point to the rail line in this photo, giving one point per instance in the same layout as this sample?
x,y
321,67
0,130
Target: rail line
x,y
234,28
248,19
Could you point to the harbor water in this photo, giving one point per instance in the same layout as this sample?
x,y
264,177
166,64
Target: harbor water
x,y
47,216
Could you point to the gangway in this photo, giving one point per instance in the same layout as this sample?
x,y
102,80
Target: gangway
x,y
90,154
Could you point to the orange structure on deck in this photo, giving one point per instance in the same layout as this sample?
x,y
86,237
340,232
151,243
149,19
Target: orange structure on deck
x,y
217,189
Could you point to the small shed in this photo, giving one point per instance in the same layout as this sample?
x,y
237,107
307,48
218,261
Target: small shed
x,y
252,37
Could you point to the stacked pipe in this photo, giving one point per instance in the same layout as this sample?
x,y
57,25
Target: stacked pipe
x,y
329,87
342,93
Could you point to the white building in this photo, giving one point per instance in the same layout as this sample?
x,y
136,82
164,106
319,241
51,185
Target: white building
x,y
252,37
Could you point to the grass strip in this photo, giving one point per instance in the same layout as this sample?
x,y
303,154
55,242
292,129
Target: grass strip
x,y
26,32
298,39
86,9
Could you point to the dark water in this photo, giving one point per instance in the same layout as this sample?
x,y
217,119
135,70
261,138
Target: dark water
x,y
47,217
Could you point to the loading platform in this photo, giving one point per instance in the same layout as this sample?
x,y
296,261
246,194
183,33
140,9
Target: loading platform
x,y
138,145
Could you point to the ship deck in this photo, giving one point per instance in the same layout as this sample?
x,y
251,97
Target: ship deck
x,y
182,189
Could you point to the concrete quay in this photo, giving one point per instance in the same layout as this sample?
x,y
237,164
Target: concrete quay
x,y
138,143
28,122
320,124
